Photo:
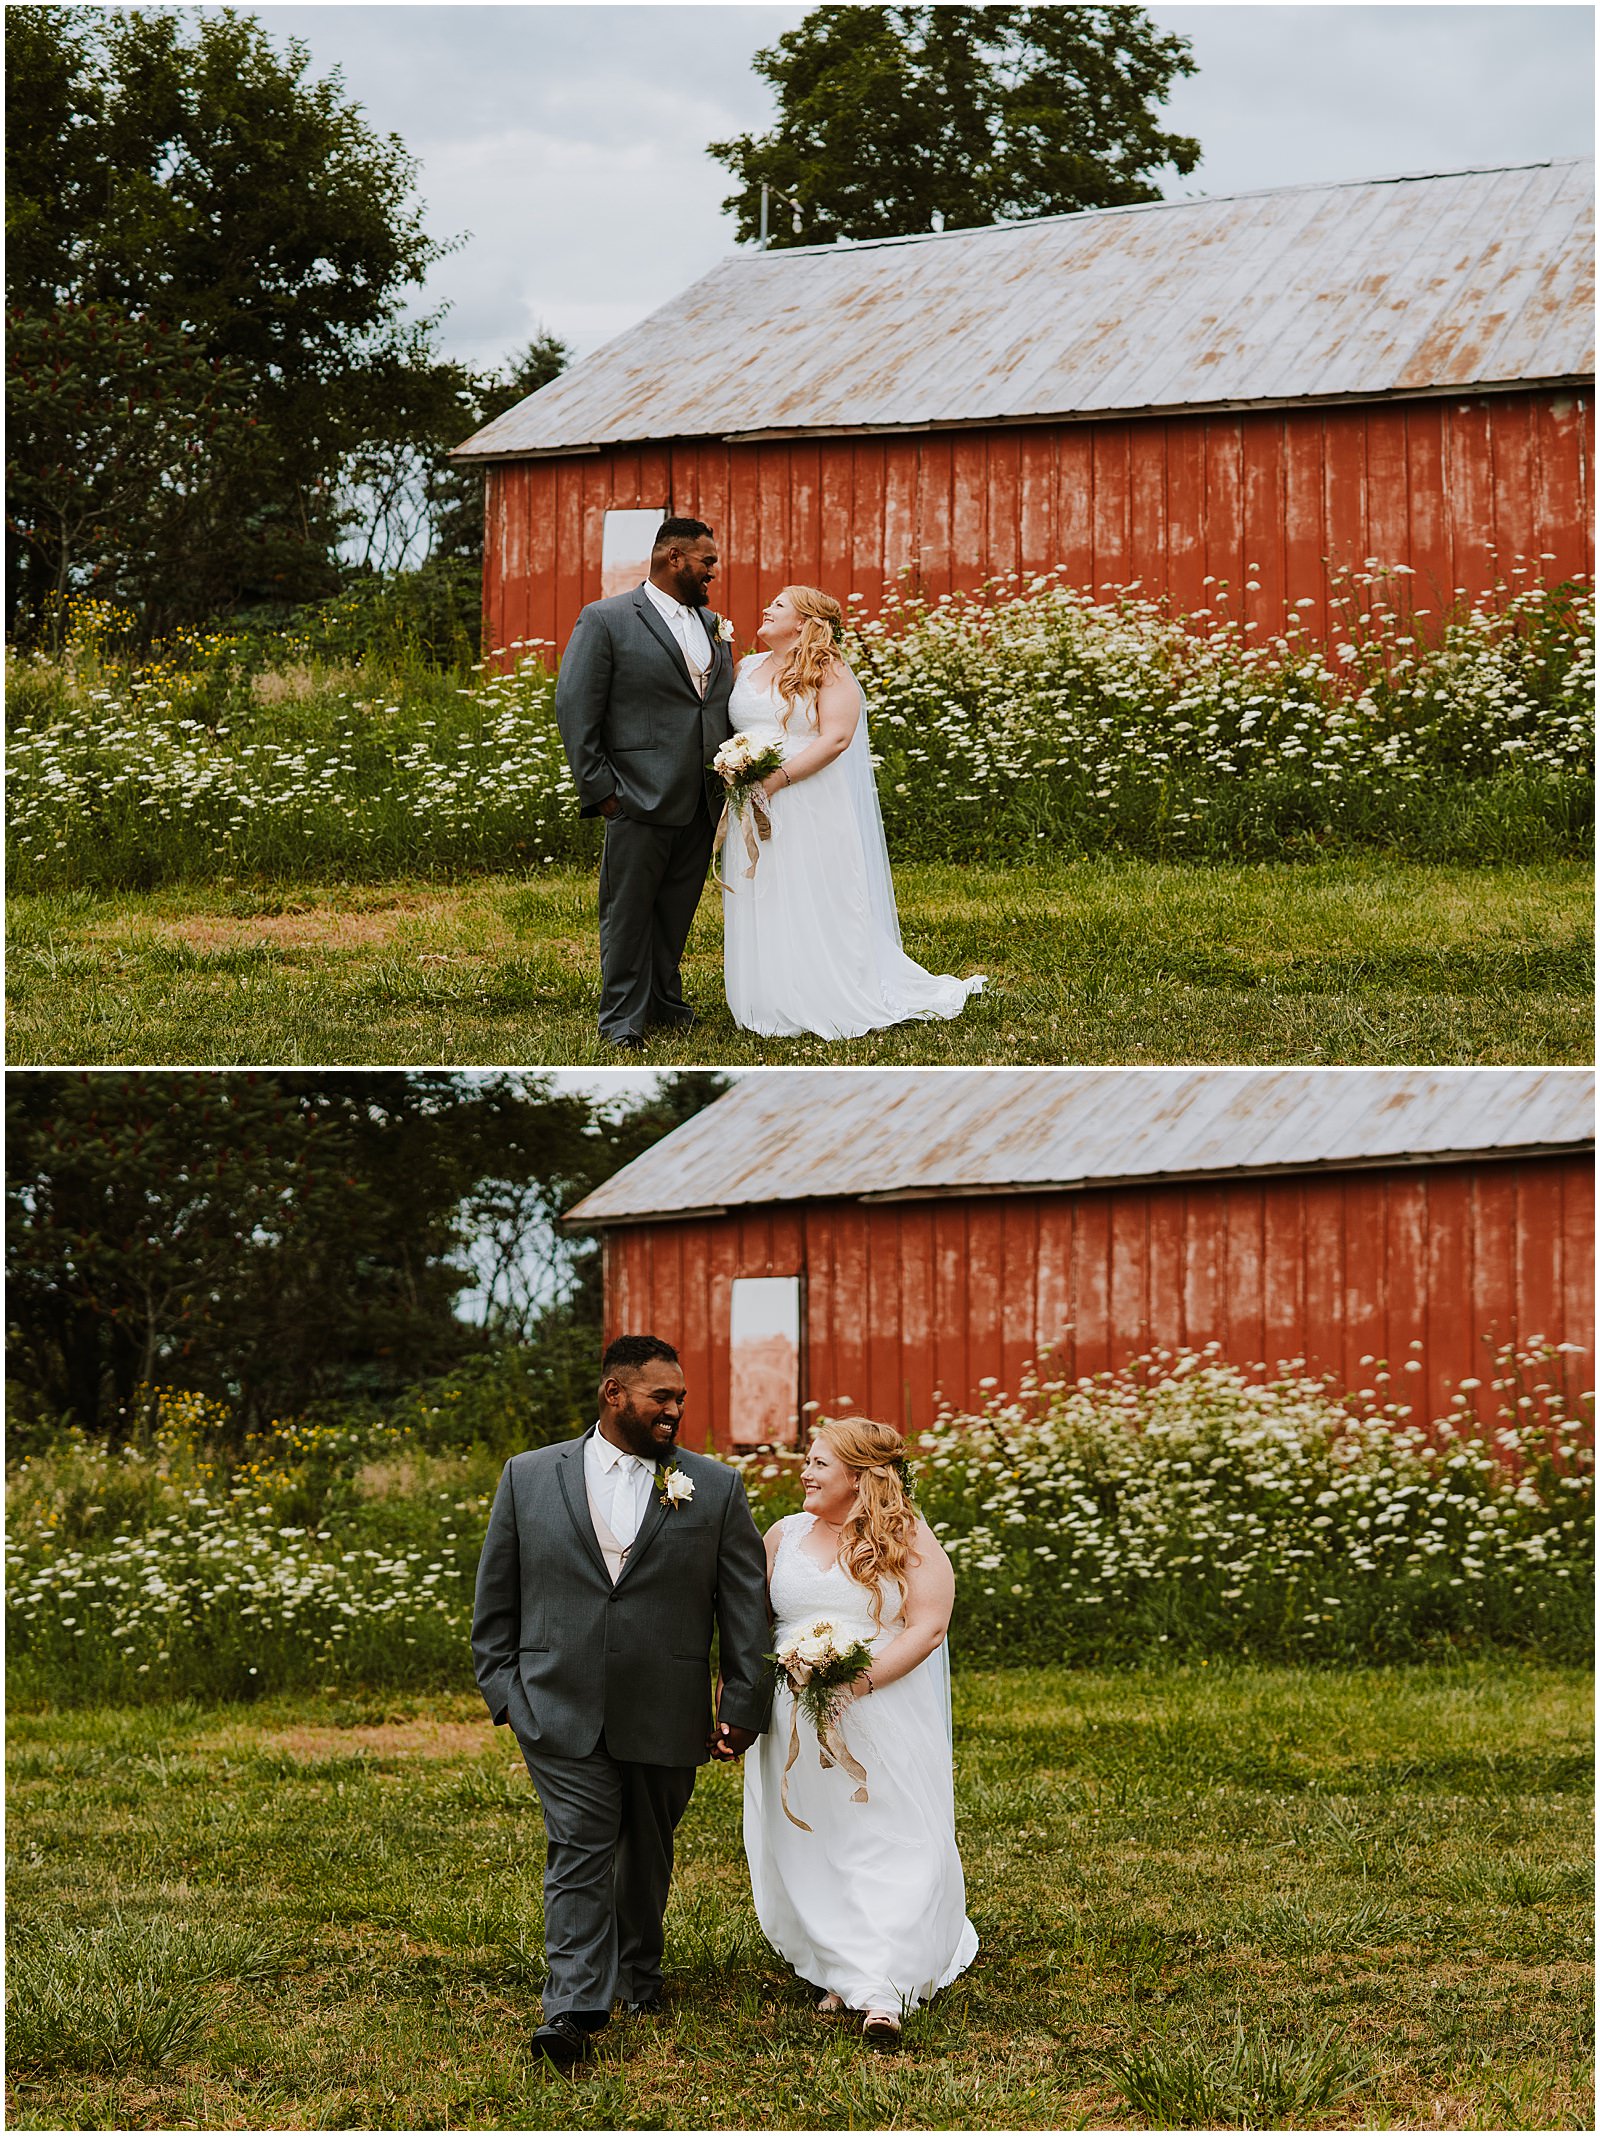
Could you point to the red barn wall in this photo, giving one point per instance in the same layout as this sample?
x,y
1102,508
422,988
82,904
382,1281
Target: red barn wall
x,y
904,1300
1439,484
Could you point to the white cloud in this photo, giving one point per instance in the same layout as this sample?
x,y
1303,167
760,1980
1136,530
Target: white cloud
x,y
570,141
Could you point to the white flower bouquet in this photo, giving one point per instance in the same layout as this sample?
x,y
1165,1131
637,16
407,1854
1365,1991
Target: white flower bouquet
x,y
740,764
819,1669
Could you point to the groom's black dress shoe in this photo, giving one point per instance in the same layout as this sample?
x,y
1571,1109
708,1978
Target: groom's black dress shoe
x,y
562,2040
650,2005
626,1041
684,1020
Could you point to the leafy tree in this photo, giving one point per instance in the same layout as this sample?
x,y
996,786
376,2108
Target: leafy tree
x,y
127,450
270,1239
279,1239
181,169
891,116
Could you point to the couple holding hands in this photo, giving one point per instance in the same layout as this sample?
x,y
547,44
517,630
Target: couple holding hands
x,y
648,692
610,1562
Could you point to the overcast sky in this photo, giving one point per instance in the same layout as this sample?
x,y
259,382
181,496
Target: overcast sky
x,y
566,145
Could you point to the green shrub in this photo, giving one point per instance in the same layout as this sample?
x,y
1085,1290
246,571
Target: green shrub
x,y
335,742
426,618
1007,719
1179,1505
328,1550
1175,1507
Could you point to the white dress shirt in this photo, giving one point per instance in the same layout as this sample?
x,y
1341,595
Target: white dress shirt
x,y
619,1485
686,626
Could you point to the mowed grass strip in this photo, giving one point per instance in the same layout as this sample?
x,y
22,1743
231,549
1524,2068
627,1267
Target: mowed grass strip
x,y
1335,961
1206,1897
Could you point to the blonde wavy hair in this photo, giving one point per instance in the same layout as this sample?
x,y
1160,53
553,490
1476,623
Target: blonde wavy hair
x,y
877,1542
804,668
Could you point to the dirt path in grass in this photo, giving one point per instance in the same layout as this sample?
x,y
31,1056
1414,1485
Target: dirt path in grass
x,y
387,1739
353,924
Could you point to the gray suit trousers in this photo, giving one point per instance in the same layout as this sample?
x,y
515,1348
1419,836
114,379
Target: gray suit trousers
x,y
608,1866
651,877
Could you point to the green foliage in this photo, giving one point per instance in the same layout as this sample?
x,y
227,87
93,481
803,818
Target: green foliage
x,y
181,169
405,624
128,453
1173,1509
371,770
890,115
1010,719
1178,1504
181,1564
270,1240
1002,724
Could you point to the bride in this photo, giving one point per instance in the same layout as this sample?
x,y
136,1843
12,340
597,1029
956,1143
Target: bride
x,y
868,1904
811,939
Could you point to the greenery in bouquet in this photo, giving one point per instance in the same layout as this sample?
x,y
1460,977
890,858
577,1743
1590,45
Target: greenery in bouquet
x,y
817,1669
742,766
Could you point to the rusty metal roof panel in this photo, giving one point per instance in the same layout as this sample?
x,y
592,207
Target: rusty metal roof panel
x,y
1460,281
786,1135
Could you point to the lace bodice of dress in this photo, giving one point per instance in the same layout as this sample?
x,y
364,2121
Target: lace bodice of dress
x,y
803,1589
754,709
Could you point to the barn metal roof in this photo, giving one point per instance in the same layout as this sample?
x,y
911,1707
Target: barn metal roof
x,y
788,1135
1392,286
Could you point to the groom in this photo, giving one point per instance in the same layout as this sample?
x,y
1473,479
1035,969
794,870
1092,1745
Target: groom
x,y
642,704
609,1561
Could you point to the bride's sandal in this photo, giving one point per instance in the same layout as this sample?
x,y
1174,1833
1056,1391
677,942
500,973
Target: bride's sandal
x,y
830,2006
879,2029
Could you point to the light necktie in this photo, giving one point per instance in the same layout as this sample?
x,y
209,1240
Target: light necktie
x,y
700,675
625,1500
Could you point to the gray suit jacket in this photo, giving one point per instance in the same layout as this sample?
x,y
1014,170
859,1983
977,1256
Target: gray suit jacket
x,y
631,719
563,1655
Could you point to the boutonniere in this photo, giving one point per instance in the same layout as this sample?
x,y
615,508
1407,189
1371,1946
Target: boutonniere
x,y
724,630
673,1487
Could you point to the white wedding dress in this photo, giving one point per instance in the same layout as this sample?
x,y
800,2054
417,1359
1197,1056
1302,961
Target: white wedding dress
x,y
811,940
870,1903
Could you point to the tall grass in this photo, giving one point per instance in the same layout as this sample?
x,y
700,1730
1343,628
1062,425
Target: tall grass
x,y
1005,723
1018,716
1179,1505
1176,1508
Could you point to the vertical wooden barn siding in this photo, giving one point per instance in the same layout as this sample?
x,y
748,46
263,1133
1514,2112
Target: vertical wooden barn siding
x,y
1438,484
906,1298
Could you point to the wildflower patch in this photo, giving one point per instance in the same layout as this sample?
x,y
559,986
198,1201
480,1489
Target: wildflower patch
x,y
1018,719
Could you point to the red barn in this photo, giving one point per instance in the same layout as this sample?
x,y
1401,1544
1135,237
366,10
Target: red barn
x,y
877,1236
1240,390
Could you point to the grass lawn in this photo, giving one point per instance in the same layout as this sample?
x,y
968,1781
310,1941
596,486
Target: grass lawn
x,y
1334,961
1205,1897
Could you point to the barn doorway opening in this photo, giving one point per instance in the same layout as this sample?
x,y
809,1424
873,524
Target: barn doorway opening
x,y
625,539
764,1390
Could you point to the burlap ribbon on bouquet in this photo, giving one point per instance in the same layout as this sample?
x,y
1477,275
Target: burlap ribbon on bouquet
x,y
760,829
832,1749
